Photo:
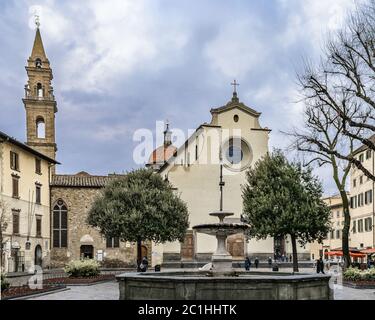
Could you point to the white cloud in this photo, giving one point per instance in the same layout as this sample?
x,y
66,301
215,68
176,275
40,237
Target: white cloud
x,y
109,39
312,19
238,48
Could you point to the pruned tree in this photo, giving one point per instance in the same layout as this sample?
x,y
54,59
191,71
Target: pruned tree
x,y
140,206
282,198
4,220
344,82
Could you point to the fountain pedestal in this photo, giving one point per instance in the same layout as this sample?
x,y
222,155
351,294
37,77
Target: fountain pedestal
x,y
221,259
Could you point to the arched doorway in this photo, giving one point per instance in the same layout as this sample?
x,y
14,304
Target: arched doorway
x,y
87,252
144,251
279,247
38,256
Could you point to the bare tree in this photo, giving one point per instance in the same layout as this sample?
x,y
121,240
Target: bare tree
x,y
321,140
344,82
3,227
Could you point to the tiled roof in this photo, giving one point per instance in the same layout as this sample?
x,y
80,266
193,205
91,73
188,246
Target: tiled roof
x,y
5,138
80,180
364,147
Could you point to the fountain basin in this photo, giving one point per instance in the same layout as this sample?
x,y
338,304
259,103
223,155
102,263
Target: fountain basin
x,y
200,285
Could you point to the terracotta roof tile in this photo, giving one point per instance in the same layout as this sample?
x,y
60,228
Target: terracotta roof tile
x,y
83,181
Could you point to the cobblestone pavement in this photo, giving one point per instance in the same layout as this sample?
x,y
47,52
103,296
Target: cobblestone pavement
x,y
102,291
109,291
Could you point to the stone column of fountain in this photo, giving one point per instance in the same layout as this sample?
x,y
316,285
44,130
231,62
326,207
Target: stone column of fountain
x,y
221,259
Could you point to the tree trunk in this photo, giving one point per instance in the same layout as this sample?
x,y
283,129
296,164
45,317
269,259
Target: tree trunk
x,y
139,255
346,230
295,257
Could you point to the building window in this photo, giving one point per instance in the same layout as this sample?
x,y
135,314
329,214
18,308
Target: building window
x,y
333,234
60,225
15,187
38,226
368,154
360,225
14,161
360,200
354,183
16,222
354,226
337,234
338,214
38,193
38,166
368,224
113,242
354,202
368,197
361,158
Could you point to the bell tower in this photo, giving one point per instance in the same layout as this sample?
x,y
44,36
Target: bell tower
x,y
39,101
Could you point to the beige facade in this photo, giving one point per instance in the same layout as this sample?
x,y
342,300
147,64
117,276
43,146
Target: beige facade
x,y
235,139
362,210
334,238
27,237
362,203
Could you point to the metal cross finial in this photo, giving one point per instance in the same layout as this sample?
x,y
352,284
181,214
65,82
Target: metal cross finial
x,y
167,125
235,85
37,21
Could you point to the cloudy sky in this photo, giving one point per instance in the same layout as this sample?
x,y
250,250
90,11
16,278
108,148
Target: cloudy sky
x,y
121,65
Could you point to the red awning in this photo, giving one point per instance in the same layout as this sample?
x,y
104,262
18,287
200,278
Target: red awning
x,y
352,254
368,251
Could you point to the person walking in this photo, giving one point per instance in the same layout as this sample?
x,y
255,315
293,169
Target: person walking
x,y
270,262
317,266
321,265
247,264
256,262
144,264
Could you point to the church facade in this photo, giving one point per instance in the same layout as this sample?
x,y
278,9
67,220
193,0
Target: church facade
x,y
235,141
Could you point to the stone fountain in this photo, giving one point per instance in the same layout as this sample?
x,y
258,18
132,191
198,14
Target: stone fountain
x,y
221,259
223,283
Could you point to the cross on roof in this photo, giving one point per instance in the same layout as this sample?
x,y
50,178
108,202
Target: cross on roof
x,y
37,21
235,85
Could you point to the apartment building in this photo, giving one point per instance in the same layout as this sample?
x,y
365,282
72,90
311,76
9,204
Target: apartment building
x,y
25,195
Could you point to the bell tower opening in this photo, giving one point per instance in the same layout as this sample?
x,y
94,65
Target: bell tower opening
x,y
40,128
39,101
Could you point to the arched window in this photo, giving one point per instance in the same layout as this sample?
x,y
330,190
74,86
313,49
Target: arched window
x,y
40,128
39,90
60,225
38,63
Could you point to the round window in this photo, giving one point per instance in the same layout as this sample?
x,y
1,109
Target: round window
x,y
236,118
234,154
237,154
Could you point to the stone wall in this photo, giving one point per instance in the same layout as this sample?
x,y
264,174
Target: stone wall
x,y
78,202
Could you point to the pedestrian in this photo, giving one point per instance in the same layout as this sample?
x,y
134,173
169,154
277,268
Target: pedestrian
x,y
321,265
270,262
256,262
144,264
247,264
290,258
286,258
317,266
